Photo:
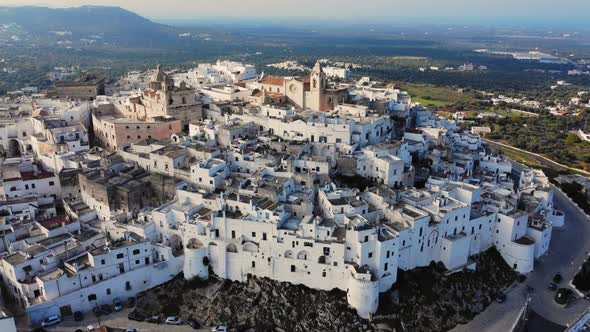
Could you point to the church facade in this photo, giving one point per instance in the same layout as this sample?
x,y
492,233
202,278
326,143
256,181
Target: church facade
x,y
163,99
310,92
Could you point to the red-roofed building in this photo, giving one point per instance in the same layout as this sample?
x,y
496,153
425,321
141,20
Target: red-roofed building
x,y
305,92
20,181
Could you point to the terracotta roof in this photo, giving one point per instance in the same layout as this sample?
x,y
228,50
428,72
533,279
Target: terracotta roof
x,y
55,222
272,80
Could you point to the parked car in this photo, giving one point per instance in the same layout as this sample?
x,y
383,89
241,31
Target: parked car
x,y
557,278
193,323
107,309
131,302
136,315
131,330
89,328
552,286
78,316
117,304
172,320
154,320
219,328
51,320
501,297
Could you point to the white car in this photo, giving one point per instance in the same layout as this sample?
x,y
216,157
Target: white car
x,y
173,320
51,320
219,328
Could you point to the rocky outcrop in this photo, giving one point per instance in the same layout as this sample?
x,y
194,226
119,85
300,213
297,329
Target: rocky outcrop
x,y
424,299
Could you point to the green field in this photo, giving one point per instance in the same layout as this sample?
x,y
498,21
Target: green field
x,y
436,95
427,102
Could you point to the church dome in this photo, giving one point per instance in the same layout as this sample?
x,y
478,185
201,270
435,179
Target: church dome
x,y
159,75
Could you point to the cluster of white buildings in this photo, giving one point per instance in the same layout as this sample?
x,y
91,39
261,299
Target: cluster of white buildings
x,y
301,180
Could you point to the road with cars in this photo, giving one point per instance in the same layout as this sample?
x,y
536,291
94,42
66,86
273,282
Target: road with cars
x,y
117,320
568,250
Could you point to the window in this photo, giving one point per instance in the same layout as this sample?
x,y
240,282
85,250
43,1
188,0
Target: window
x,y
51,183
119,256
233,234
370,255
253,264
128,285
385,267
108,291
264,236
92,297
387,254
136,252
292,268
366,238
137,261
324,273
253,234
102,262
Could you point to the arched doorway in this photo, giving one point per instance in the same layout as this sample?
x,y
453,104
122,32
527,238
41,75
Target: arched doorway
x,y
14,148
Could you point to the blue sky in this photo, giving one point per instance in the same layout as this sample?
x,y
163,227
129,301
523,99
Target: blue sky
x,y
562,10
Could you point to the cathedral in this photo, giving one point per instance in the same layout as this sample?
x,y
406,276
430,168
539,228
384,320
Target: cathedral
x,y
310,92
163,99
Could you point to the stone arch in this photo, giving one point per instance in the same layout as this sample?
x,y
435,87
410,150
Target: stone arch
x,y
303,255
250,247
289,254
231,248
14,148
432,238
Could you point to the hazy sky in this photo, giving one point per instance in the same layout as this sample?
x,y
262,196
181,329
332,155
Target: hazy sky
x,y
552,9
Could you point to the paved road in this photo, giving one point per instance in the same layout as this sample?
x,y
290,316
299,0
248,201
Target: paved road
x,y
541,159
568,250
117,320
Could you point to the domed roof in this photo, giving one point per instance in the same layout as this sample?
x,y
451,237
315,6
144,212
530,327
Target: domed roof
x,y
159,75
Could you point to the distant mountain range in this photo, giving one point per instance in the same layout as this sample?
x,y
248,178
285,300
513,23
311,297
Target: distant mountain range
x,y
115,25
